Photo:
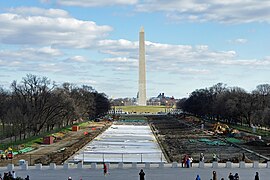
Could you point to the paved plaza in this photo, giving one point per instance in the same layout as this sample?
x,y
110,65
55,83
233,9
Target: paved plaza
x,y
129,173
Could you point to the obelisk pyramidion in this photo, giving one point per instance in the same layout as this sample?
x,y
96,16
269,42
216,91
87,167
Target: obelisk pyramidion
x,y
142,81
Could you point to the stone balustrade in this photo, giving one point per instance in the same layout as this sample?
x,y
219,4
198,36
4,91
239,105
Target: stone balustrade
x,y
135,165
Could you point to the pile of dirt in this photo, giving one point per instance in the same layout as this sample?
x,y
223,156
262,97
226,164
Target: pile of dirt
x,y
62,155
181,136
63,148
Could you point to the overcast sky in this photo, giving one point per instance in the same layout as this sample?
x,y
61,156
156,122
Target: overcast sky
x,y
190,44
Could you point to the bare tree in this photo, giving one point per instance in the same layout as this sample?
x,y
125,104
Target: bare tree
x,y
3,101
36,105
33,95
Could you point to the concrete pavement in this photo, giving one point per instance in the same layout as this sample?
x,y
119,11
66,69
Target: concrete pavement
x,y
129,173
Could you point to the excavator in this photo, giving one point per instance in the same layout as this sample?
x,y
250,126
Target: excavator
x,y
220,128
7,154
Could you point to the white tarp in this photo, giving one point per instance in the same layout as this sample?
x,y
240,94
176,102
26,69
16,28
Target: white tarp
x,y
122,143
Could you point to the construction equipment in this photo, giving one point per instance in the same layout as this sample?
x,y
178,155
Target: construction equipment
x,y
7,154
220,128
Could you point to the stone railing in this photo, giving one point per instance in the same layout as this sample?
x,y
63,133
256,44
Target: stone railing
x,y
146,165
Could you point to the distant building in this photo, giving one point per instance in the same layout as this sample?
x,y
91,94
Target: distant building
x,y
162,100
124,102
116,110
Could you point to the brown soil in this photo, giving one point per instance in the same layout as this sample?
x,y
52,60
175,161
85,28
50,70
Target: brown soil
x,y
176,136
180,136
61,150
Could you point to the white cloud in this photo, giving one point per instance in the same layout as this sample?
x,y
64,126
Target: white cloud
x,y
48,29
238,41
172,58
119,60
224,11
121,63
30,54
121,69
50,67
35,11
173,5
88,82
119,47
77,59
237,11
93,3
47,51
248,62
44,59
192,71
184,53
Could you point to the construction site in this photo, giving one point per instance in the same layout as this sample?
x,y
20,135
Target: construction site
x,y
59,149
177,136
182,135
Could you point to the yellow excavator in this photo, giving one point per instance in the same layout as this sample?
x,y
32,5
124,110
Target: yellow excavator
x,y
220,128
7,154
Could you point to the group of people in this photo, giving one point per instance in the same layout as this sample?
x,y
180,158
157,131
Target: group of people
x,y
8,176
230,177
214,157
11,175
105,171
187,161
214,175
233,177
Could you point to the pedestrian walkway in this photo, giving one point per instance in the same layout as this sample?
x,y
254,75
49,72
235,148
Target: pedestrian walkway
x,y
153,173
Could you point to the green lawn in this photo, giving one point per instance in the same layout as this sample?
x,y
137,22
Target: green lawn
x,y
259,132
31,140
142,109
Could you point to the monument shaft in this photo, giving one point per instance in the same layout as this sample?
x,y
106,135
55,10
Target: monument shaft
x,y
142,72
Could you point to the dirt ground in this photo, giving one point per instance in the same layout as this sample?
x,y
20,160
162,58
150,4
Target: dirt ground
x,y
176,136
180,136
61,150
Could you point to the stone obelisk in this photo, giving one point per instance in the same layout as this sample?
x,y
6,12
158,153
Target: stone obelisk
x,y
142,79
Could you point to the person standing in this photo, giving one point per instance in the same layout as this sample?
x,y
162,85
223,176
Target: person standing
x,y
105,169
184,161
214,175
9,175
243,157
190,161
198,177
141,174
202,157
230,176
13,175
257,176
214,157
27,177
236,176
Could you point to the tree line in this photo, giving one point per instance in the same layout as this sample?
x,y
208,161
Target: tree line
x,y
230,104
37,105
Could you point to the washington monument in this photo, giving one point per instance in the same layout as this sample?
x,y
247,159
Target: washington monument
x,y
142,81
